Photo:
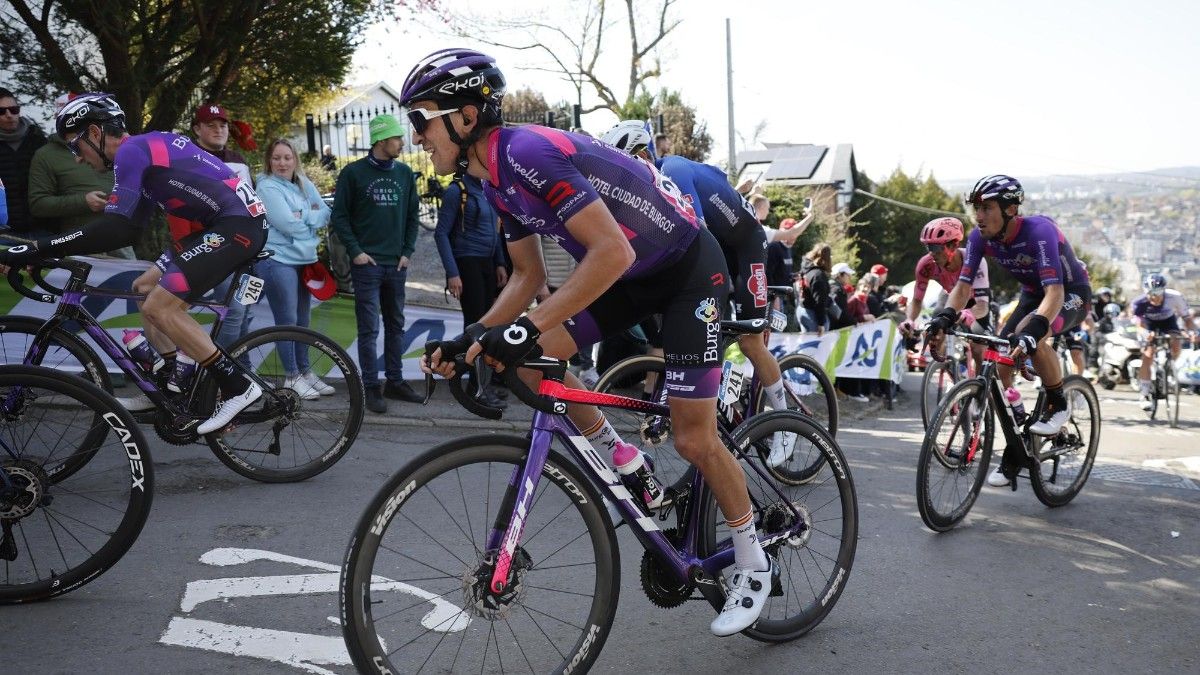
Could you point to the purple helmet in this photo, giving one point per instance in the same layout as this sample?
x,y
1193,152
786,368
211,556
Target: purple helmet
x,y
450,74
1005,189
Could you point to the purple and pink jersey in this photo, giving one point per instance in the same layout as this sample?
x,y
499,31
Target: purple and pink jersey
x,y
541,177
928,270
192,186
1036,255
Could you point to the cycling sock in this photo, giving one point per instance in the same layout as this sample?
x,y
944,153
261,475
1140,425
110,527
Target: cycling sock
x,y
775,395
747,552
603,433
231,382
1054,397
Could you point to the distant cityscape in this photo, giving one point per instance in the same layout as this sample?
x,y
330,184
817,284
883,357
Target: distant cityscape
x,y
1140,222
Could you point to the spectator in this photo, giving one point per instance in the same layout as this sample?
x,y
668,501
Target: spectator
x,y
840,289
662,145
468,241
880,299
814,289
65,195
328,161
20,138
210,129
856,312
295,212
375,215
874,297
779,273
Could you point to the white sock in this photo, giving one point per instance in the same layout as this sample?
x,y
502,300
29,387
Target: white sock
x,y
747,553
603,433
776,397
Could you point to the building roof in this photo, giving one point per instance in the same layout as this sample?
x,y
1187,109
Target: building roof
x,y
360,94
799,164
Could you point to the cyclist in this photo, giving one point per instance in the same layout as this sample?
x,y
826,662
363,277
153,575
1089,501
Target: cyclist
x,y
731,219
1055,295
640,249
943,264
167,170
1159,311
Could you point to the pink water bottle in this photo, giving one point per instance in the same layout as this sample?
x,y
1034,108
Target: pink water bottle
x,y
636,474
143,354
1015,405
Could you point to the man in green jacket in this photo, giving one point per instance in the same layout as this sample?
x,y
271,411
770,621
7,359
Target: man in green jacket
x,y
375,216
64,194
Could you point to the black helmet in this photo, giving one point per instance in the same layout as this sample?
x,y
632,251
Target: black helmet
x,y
87,109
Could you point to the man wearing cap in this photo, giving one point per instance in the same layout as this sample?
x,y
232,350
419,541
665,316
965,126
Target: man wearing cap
x,y
839,295
877,303
375,216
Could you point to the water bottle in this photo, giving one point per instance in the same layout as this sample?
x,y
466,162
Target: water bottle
x,y
1015,405
143,354
181,376
637,474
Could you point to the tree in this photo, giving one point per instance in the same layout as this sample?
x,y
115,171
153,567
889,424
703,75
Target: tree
x,y
529,107
830,225
689,137
160,57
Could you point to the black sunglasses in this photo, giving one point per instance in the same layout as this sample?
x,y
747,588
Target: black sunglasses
x,y
937,248
419,118
12,109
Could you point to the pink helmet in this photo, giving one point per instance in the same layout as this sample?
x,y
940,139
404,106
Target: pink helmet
x,y
942,231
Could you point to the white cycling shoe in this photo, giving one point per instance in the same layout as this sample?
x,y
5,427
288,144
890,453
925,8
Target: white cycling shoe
x,y
229,409
782,447
748,591
997,478
1051,424
316,383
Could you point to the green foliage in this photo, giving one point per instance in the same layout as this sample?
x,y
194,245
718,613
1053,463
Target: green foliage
x,y
829,225
689,137
527,106
1101,272
323,179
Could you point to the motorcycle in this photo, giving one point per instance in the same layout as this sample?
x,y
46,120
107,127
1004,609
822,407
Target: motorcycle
x,y
1120,355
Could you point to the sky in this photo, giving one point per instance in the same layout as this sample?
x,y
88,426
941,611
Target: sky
x,y
958,89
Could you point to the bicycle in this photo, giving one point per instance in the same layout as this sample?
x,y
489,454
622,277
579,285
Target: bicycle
x,y
940,376
529,529
1164,384
806,385
254,445
62,529
430,201
957,448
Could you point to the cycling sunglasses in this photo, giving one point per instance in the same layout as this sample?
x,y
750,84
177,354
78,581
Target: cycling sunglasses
x,y
12,109
420,118
73,144
939,248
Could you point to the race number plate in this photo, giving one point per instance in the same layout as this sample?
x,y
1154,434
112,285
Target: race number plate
x,y
778,321
249,289
731,383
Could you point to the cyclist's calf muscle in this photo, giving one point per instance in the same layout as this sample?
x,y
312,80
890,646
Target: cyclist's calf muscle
x,y
755,349
169,314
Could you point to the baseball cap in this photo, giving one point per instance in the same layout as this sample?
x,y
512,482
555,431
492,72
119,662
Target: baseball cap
x,y
878,269
319,281
787,223
842,267
384,127
208,112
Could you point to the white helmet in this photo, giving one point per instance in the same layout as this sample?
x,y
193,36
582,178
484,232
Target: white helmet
x,y
632,136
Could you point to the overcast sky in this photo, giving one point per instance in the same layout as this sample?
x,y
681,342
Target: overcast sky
x,y
960,89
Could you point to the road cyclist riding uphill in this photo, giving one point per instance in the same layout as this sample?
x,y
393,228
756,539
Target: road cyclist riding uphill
x,y
1055,297
163,169
1158,312
640,251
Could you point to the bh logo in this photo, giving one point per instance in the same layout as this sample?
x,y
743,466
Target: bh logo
x,y
707,311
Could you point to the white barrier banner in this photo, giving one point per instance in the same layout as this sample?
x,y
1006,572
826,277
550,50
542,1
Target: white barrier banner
x,y
873,351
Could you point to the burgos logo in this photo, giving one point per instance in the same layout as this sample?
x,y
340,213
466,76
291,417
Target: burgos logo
x,y
211,242
707,311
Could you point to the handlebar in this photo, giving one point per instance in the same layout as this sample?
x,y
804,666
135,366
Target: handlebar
x,y
547,366
18,285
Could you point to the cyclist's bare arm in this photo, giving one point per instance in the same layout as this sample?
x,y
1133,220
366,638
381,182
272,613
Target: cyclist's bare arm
x,y
959,296
1052,302
528,278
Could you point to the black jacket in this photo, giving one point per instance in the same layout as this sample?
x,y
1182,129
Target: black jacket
x,y
816,292
14,171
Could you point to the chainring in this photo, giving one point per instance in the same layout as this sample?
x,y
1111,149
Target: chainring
x,y
168,428
659,582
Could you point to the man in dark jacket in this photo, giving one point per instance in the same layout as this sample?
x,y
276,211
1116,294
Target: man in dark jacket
x,y
19,139
814,285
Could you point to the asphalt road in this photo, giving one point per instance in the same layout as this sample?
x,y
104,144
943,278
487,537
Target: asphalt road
x,y
235,576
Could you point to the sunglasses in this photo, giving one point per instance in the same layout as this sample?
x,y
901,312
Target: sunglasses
x,y
938,248
420,118
11,109
73,144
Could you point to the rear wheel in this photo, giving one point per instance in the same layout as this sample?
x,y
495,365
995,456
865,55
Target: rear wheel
x,y
808,390
1065,460
954,455
939,377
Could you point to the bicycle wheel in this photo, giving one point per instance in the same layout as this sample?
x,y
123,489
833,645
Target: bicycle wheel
x,y
1065,460
809,390
954,455
939,377
413,591
427,213
66,353
640,377
815,560
284,437
59,534
1173,395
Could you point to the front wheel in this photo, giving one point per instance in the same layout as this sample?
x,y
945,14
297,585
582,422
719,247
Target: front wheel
x,y
298,428
1065,460
415,582
954,455
811,527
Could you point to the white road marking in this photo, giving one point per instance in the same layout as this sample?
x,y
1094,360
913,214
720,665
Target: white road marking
x,y
300,650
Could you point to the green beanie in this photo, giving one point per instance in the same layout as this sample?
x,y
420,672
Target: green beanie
x,y
384,127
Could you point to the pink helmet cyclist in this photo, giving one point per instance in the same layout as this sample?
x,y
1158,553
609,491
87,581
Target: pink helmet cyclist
x,y
942,231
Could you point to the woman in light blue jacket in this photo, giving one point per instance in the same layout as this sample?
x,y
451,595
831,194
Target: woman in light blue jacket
x,y
295,212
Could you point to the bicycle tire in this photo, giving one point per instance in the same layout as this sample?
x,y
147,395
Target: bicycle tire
x,y
1172,380
348,408
934,387
825,415
386,533
1045,479
817,553
427,213
938,459
119,479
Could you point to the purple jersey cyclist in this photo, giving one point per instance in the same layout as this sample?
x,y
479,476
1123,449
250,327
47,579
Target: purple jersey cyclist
x,y
163,170
1159,312
641,251
1055,295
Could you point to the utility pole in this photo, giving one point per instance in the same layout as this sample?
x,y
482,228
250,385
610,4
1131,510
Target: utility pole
x,y
729,79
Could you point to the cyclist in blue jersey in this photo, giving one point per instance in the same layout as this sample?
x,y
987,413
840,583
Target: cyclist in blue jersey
x,y
640,249
731,219
164,170
1055,294
1160,311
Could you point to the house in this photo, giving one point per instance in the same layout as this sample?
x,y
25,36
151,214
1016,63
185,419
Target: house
x,y
342,123
802,164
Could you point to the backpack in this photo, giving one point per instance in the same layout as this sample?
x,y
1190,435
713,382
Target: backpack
x,y
461,220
